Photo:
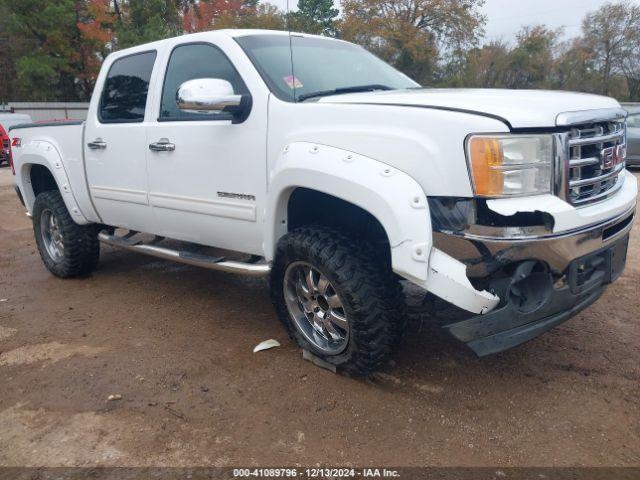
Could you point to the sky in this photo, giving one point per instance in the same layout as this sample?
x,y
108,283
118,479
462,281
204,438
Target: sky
x,y
505,17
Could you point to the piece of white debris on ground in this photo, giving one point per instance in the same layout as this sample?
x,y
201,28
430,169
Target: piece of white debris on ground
x,y
267,344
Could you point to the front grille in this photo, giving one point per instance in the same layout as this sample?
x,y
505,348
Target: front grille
x,y
594,152
5,143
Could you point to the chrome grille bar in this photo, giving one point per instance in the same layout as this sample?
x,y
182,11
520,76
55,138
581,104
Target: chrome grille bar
x,y
584,117
575,142
601,196
581,162
599,179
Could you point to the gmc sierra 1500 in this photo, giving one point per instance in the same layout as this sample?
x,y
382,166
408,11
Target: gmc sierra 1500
x,y
338,176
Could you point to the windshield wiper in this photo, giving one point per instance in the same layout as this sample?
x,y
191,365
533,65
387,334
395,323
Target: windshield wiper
x,y
337,91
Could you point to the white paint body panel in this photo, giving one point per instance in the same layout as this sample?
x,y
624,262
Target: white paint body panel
x,y
386,152
59,149
117,175
210,156
426,144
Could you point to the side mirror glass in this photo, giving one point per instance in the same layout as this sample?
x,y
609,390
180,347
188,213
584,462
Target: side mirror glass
x,y
209,96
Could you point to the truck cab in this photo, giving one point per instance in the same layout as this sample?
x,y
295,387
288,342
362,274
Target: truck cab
x,y
337,177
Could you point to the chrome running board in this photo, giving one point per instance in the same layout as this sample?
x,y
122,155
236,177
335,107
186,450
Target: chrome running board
x,y
190,258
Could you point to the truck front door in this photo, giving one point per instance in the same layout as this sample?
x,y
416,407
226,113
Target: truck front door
x,y
116,144
208,184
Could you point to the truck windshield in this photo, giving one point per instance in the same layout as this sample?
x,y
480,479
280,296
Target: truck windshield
x,y
320,67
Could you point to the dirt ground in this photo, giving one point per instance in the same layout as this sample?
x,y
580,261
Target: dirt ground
x,y
176,343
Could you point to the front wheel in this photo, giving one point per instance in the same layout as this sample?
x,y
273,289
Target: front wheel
x,y
66,248
337,298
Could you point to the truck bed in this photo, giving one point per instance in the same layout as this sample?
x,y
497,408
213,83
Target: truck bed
x,y
62,144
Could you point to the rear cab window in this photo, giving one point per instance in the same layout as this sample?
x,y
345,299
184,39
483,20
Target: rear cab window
x,y
124,95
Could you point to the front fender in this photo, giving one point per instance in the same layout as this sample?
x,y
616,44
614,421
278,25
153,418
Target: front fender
x,y
44,153
393,197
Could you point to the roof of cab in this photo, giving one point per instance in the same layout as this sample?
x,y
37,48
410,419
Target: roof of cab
x,y
234,33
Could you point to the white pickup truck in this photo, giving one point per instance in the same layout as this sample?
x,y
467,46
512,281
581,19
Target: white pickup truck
x,y
338,176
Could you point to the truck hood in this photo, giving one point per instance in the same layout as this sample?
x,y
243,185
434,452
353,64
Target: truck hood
x,y
516,108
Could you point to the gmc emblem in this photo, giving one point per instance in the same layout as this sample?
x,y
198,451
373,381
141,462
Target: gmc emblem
x,y
612,156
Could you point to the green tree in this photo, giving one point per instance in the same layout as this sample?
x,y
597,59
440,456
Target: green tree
x,y
532,60
7,58
314,16
483,67
45,46
264,16
415,36
206,15
612,33
574,67
630,68
98,39
142,21
53,49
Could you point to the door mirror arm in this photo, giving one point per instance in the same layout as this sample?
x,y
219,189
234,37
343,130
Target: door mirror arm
x,y
241,112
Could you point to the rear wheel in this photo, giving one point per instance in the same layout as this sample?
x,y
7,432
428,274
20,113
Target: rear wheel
x,y
337,298
66,248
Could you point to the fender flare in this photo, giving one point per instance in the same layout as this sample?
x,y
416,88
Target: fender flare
x,y
42,152
393,197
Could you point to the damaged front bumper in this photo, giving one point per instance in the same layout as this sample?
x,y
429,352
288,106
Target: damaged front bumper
x,y
542,279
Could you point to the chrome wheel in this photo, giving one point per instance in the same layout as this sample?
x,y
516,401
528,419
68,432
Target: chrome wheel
x,y
315,307
51,235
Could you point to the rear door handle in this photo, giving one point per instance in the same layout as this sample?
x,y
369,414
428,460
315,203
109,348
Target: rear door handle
x,y
163,145
97,144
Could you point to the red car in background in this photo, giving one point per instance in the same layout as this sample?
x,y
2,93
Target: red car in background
x,y
5,147
8,120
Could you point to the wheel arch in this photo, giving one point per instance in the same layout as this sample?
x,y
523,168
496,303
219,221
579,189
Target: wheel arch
x,y
41,169
41,179
306,207
393,199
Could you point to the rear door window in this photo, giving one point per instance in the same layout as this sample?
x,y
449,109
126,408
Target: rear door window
x,y
124,96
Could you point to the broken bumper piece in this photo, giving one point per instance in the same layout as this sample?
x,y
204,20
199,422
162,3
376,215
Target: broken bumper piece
x,y
535,302
541,282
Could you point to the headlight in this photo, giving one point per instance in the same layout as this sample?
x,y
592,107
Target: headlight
x,y
510,165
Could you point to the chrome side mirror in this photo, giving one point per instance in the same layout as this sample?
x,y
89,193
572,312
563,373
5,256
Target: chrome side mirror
x,y
208,96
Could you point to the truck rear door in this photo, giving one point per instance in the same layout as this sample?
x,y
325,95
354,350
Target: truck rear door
x,y
116,144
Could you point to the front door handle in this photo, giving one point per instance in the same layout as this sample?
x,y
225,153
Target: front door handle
x,y
97,144
163,145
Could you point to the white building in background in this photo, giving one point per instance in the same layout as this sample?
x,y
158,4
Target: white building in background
x,y
48,111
